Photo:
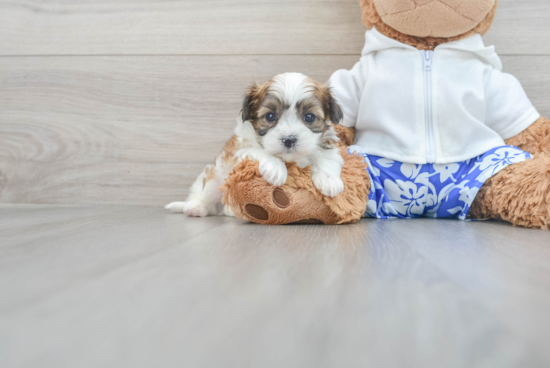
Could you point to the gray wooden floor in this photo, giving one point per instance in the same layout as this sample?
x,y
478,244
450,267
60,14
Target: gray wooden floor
x,y
135,286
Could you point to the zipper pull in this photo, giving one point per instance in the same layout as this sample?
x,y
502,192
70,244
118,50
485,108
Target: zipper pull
x,y
428,58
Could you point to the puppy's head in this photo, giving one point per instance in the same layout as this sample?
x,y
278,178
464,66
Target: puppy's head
x,y
292,116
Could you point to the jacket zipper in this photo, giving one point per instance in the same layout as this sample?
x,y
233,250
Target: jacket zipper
x,y
427,61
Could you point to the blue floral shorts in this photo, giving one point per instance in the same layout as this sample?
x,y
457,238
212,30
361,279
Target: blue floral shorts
x,y
403,190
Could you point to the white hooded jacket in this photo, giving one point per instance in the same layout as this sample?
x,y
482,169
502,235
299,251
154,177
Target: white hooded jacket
x,y
442,106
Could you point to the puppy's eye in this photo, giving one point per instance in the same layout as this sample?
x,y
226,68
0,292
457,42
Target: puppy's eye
x,y
271,117
309,118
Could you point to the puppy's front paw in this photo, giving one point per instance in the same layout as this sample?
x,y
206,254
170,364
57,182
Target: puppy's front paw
x,y
273,171
328,185
195,209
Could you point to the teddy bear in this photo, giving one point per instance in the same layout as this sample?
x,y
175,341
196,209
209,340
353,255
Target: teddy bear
x,y
441,131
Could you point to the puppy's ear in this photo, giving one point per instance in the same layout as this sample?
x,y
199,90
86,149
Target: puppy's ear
x,y
332,109
250,102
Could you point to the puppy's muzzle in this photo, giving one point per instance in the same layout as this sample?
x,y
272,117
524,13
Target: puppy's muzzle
x,y
290,141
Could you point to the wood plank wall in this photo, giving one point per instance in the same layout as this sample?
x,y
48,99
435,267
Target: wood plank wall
x,y
124,101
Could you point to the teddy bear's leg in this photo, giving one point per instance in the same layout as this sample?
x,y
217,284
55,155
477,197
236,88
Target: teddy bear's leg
x,y
260,202
519,194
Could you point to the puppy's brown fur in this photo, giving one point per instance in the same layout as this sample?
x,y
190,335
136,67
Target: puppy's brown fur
x,y
259,102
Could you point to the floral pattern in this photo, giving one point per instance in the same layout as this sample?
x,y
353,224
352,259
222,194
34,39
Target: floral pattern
x,y
404,190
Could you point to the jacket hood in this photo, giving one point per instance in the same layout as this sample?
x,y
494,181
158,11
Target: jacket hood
x,y
376,41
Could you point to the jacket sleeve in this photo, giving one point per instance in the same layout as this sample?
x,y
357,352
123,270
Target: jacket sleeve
x,y
347,87
509,110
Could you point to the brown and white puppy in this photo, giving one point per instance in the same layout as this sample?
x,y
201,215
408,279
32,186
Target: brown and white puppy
x,y
288,119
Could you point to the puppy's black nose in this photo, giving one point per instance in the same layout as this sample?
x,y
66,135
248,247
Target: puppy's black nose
x,y
290,141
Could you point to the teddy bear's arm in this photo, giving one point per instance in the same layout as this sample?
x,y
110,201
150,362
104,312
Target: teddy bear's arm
x,y
535,139
347,88
509,110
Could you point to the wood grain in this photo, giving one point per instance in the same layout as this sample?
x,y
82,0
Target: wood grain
x,y
138,287
188,27
133,130
521,28
138,130
197,27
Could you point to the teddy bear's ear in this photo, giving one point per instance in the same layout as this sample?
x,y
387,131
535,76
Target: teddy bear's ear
x,y
370,17
332,109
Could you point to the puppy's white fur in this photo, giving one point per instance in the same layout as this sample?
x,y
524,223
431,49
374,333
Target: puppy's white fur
x,y
311,148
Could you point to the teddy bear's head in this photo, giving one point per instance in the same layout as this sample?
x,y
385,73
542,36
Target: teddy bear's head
x,y
428,23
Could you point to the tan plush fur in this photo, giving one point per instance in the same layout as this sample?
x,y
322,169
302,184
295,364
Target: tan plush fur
x,y
346,136
535,139
371,18
520,193
245,187
433,18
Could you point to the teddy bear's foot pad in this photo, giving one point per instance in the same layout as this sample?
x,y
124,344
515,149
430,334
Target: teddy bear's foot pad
x,y
280,198
282,201
256,212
